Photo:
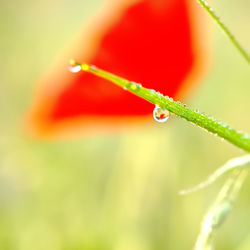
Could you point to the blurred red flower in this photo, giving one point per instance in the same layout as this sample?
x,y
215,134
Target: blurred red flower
x,y
155,42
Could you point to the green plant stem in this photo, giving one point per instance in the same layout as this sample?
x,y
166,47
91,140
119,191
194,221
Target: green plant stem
x,y
211,12
242,162
220,210
223,130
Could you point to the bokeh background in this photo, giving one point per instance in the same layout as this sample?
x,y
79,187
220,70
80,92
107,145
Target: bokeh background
x,y
116,191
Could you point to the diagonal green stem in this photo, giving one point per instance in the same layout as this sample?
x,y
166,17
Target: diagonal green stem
x,y
223,130
225,29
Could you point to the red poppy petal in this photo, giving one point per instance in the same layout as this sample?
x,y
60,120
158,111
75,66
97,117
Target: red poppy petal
x,y
149,42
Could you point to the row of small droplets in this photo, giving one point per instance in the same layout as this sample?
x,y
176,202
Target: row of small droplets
x,y
160,114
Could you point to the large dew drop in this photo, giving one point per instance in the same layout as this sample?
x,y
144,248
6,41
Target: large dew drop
x,y
160,114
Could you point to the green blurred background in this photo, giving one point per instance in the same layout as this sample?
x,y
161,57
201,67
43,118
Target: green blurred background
x,y
116,191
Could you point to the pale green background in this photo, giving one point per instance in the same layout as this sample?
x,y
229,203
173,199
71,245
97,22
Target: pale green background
x,y
115,191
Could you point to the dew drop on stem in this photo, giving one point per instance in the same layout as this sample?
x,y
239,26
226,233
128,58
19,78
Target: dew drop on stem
x,y
160,114
75,68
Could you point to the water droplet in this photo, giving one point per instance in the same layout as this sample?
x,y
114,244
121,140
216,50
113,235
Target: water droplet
x,y
245,136
134,86
125,88
85,67
75,68
160,114
159,94
72,62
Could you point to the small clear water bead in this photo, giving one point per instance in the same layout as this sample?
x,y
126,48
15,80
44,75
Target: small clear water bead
x,y
75,68
160,114
134,86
